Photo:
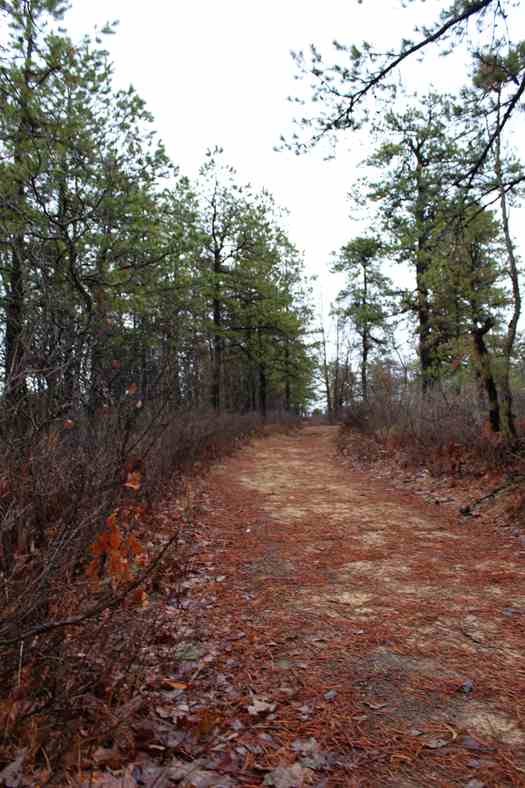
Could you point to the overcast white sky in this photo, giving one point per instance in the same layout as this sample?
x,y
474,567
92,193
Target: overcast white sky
x,y
218,72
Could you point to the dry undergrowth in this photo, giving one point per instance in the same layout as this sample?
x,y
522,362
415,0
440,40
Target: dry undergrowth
x,y
336,631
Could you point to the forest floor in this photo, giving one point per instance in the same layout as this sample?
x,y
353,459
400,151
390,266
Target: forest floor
x,y
340,631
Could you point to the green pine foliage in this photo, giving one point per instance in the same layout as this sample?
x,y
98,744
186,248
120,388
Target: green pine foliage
x,y
115,269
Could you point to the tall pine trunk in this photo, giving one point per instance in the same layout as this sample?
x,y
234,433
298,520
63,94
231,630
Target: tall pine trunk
x,y
423,307
486,375
508,427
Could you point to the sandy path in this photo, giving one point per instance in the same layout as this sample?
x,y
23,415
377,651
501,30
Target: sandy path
x,y
390,631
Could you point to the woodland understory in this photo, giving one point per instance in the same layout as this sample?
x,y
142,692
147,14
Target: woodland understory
x,y
156,330
167,686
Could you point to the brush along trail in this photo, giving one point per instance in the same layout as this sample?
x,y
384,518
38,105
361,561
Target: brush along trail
x,y
367,638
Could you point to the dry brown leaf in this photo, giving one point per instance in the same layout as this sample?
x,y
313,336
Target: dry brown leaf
x,y
133,481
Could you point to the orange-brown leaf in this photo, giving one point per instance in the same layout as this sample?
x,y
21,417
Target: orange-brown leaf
x,y
140,597
135,546
92,568
133,481
169,684
117,565
111,521
115,539
100,546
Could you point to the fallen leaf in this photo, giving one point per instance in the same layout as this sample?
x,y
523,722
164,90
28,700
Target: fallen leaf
x,y
189,775
169,684
435,743
11,776
472,744
236,636
315,761
107,780
133,481
108,757
201,778
152,777
306,745
474,763
288,777
190,652
164,712
261,707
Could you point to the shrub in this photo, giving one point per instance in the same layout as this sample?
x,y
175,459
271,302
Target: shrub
x,y
81,549
445,431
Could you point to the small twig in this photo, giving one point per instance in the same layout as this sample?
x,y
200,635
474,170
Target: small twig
x,y
20,663
46,758
197,672
466,511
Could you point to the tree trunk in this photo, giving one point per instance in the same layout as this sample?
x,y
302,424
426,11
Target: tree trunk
x,y
484,367
263,380
364,366
423,309
508,427
263,392
326,375
15,382
287,382
218,342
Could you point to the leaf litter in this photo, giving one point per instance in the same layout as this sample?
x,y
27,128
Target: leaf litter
x,y
353,635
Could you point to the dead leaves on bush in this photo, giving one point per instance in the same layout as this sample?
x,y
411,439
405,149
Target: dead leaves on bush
x,y
116,553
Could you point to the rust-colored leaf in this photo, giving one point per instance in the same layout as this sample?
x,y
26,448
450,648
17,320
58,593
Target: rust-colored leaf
x,y
115,539
111,521
140,597
99,547
133,481
116,564
92,568
169,684
135,546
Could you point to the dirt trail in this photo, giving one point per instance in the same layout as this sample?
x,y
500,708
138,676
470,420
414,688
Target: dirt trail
x,y
389,634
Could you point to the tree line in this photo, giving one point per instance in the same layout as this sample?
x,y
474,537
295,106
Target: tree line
x,y
442,178
118,274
